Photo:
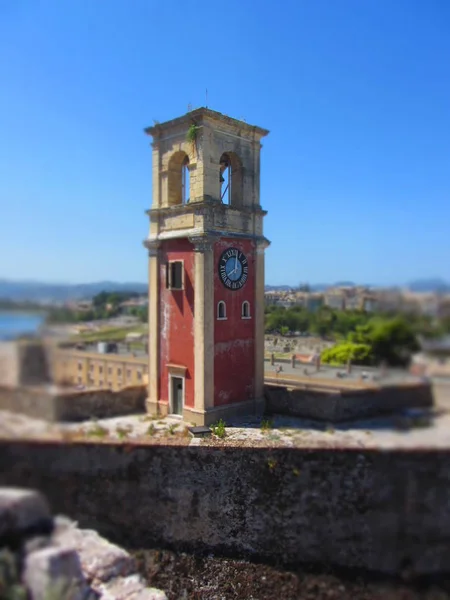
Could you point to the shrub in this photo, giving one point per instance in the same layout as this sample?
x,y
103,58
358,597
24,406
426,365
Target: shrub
x,y
266,424
219,429
97,431
341,354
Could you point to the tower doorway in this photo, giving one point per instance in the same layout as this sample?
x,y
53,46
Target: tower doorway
x,y
176,395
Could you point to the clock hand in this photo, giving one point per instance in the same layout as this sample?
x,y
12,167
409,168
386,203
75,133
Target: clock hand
x,y
235,265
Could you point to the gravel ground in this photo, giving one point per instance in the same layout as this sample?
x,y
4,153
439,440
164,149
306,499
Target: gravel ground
x,y
188,577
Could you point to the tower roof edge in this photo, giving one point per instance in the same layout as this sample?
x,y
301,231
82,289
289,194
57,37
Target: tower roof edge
x,y
198,115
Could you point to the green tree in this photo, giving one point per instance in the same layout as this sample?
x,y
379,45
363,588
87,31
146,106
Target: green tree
x,y
393,341
358,354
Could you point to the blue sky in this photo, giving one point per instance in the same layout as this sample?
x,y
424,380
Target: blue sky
x,y
356,94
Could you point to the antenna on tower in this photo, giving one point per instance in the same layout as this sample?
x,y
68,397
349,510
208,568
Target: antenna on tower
x,y
206,103
189,107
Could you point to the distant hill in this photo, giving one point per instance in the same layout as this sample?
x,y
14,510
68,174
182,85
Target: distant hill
x,y
35,291
278,288
434,284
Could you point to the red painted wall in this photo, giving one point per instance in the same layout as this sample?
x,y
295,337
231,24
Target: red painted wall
x,y
176,310
234,339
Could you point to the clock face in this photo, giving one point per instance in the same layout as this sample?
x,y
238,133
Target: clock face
x,y
233,269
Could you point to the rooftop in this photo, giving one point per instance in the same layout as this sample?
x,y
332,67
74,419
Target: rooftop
x,y
198,115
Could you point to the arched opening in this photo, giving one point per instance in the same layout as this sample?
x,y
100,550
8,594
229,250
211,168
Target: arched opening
x,y
185,181
178,179
246,310
221,310
230,179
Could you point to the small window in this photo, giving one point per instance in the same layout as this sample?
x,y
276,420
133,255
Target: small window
x,y
246,310
128,373
139,375
221,310
175,275
109,371
119,372
100,370
80,366
91,368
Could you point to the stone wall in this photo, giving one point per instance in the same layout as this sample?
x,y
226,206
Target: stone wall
x,y
338,406
366,509
23,363
53,404
9,365
42,557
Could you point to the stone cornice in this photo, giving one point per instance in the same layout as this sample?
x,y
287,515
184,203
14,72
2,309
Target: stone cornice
x,y
202,243
207,236
203,208
198,116
262,244
152,246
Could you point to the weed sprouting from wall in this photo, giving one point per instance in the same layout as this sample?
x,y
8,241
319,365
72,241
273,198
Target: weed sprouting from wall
x,y
271,463
191,135
97,431
122,432
219,429
266,424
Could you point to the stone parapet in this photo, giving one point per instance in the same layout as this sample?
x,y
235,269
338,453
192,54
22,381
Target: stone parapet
x,y
54,404
348,404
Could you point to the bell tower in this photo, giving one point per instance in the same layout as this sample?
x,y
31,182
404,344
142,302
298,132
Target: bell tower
x,y
206,268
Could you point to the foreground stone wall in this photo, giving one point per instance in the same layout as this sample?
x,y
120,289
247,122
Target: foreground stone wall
x,y
335,407
380,511
51,404
42,557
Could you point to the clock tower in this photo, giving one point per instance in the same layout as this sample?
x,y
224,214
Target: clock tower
x,y
206,268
